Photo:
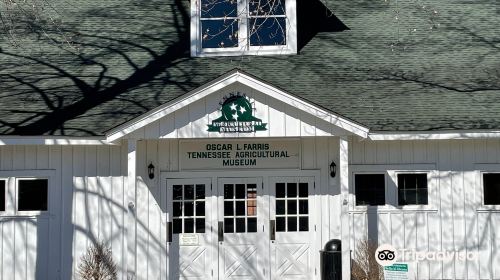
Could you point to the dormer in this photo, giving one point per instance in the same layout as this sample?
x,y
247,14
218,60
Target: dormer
x,y
243,27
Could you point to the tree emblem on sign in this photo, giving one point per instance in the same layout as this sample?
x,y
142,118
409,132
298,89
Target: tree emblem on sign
x,y
237,116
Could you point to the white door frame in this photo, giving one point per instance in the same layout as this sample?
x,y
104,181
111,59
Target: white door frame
x,y
265,175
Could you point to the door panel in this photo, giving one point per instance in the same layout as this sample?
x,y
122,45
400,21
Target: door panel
x,y
292,209
243,250
189,228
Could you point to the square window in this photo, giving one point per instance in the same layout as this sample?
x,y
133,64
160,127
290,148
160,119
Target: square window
x,y
412,189
491,186
2,195
370,189
244,27
32,195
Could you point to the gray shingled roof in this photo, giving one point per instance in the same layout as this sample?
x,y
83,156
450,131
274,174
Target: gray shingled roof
x,y
436,67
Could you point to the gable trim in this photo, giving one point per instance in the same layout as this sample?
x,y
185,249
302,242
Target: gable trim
x,y
435,135
53,140
220,83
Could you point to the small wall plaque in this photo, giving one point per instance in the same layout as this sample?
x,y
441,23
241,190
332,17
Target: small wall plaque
x,y
188,239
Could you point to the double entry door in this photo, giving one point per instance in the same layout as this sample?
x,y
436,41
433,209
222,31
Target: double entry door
x,y
241,228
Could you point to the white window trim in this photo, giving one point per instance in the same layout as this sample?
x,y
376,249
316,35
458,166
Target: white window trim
x,y
432,193
289,48
480,170
11,195
391,192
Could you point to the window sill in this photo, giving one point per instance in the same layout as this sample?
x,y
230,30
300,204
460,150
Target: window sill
x,y
26,214
488,208
263,52
392,209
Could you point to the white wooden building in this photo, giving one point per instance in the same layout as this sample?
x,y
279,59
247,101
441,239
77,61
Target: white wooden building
x,y
100,189
243,167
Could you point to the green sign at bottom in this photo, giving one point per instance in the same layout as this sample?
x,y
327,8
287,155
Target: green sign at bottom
x,y
397,267
397,271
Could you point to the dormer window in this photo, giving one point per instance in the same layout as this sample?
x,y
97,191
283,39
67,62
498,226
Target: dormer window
x,y
243,27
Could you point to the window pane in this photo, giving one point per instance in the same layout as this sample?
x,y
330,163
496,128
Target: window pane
x,y
177,226
303,190
228,191
32,195
280,224
219,33
177,192
200,191
280,207
240,225
200,208
370,189
228,225
251,191
268,31
422,196
292,223
280,190
2,195
240,208
189,208
303,224
252,208
266,7
291,189
240,191
219,8
303,207
188,192
177,211
252,225
292,206
200,225
228,208
188,225
491,187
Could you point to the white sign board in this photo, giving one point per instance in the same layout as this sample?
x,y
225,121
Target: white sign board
x,y
188,239
397,271
239,154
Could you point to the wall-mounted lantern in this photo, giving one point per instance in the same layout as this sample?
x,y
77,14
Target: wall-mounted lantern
x,y
151,171
333,169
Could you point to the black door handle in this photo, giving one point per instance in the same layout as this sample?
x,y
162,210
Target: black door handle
x,y
221,231
272,227
169,232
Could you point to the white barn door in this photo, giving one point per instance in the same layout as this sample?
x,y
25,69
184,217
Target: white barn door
x,y
242,241
293,214
189,229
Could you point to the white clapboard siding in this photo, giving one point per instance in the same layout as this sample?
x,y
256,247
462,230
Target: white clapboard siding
x,y
282,119
85,205
455,224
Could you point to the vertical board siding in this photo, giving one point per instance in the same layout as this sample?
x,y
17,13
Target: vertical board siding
x,y
85,204
455,224
282,119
